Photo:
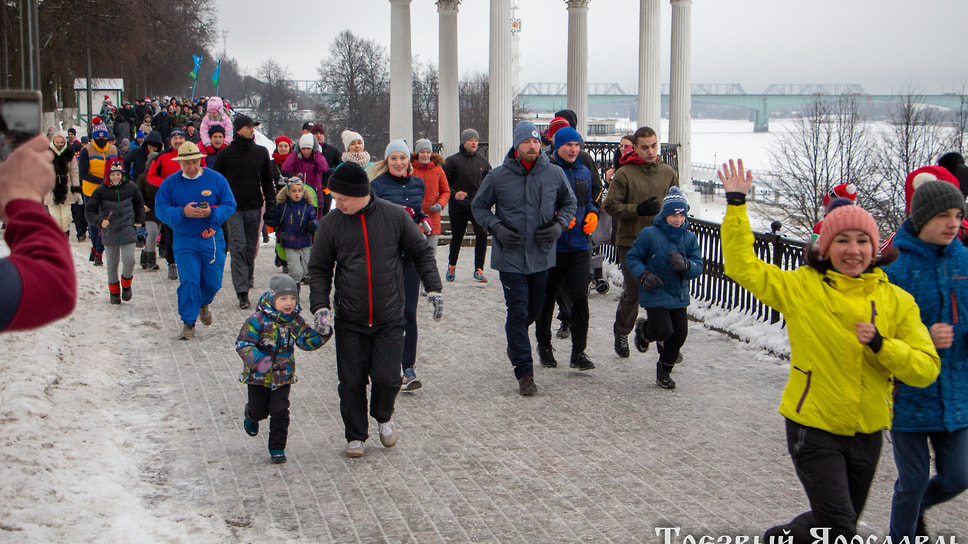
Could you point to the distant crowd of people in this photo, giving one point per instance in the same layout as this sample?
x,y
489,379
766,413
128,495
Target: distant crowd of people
x,y
878,337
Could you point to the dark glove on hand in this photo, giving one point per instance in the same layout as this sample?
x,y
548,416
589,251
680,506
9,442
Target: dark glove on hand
x,y
651,206
269,218
679,263
549,234
650,281
508,237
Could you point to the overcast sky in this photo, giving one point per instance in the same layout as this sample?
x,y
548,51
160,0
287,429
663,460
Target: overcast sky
x,y
883,45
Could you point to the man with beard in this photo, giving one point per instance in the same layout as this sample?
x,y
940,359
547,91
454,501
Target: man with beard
x,y
532,205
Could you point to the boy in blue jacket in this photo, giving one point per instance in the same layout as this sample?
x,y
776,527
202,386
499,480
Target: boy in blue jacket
x,y
295,224
933,267
664,258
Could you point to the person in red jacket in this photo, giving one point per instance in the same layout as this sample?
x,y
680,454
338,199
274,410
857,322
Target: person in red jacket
x,y
38,284
427,166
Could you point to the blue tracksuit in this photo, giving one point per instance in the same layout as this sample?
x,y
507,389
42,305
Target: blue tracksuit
x,y
201,261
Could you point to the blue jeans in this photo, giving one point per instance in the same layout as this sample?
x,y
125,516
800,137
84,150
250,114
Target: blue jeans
x,y
914,492
523,295
411,289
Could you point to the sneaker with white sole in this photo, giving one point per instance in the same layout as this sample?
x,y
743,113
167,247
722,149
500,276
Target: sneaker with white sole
x,y
388,434
354,448
410,380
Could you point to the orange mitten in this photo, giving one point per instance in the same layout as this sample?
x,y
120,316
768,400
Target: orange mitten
x,y
572,224
591,221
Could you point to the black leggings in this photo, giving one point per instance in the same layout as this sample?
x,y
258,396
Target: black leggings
x,y
669,327
458,226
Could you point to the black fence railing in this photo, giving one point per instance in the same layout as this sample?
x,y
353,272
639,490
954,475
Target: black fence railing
x,y
715,287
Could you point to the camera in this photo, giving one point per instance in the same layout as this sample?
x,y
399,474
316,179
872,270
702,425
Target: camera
x,y
19,119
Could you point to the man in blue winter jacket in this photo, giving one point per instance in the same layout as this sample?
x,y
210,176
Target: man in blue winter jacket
x,y
194,203
532,205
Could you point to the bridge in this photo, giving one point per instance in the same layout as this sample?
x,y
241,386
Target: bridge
x,y
551,97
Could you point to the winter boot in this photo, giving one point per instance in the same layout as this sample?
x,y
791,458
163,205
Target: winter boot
x,y
144,260
277,457
115,290
622,345
140,243
564,330
93,252
98,261
126,288
173,271
526,386
581,361
244,301
187,332
152,258
546,354
662,375
205,315
641,342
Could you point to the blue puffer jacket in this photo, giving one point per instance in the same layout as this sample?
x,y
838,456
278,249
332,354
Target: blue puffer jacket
x,y
939,284
524,201
651,251
295,223
580,178
407,192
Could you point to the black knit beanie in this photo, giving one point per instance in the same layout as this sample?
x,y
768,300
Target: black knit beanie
x,y
932,198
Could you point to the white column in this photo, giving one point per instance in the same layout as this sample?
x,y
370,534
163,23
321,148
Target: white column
x,y
500,122
401,72
578,62
680,89
448,118
650,84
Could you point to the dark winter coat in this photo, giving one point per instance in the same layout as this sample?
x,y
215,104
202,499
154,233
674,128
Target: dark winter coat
x,y
365,250
245,165
162,123
651,251
273,334
524,201
295,222
67,187
123,206
464,172
135,162
938,280
633,183
407,192
580,179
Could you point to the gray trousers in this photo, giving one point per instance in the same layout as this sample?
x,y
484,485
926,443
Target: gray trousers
x,y
114,254
244,237
298,261
151,239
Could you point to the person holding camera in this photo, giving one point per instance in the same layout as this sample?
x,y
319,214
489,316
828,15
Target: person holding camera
x,y
38,284
195,202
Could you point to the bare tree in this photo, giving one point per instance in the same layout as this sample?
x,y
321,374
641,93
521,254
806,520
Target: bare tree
x,y
425,91
829,144
473,99
357,79
915,139
276,106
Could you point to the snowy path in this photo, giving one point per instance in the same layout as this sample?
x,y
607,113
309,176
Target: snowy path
x,y
113,431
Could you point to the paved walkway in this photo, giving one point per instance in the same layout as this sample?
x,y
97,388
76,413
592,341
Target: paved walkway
x,y
601,456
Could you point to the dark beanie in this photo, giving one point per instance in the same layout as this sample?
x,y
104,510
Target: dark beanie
x,y
282,285
569,116
350,179
468,134
932,198
215,129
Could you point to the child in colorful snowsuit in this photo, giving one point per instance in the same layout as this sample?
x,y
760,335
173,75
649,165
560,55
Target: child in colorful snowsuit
x,y
117,209
266,344
295,224
664,258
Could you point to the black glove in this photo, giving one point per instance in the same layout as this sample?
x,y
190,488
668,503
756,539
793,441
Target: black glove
x,y
508,236
651,206
650,281
548,233
679,263
269,217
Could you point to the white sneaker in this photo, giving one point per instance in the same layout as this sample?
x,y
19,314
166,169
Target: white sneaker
x,y
354,448
388,434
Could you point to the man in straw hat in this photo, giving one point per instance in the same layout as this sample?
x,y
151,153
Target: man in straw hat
x,y
195,202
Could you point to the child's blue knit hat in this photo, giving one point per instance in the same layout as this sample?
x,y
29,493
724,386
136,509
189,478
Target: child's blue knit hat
x,y
675,202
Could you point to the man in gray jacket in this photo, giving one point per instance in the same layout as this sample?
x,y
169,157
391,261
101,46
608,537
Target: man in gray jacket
x,y
532,204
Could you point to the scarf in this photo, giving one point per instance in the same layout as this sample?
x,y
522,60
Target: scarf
x,y
280,158
362,158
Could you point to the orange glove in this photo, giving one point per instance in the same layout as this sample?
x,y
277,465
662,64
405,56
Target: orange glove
x,y
591,221
572,224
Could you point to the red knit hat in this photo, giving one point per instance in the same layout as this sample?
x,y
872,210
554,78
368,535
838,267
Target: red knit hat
x,y
847,218
556,123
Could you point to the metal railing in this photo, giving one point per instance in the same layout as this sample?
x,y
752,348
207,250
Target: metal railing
x,y
714,286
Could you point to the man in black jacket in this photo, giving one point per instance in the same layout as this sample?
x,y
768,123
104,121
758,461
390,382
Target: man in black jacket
x,y
465,170
365,242
245,164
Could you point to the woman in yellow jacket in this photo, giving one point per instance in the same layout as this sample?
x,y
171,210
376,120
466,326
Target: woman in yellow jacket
x,y
851,332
